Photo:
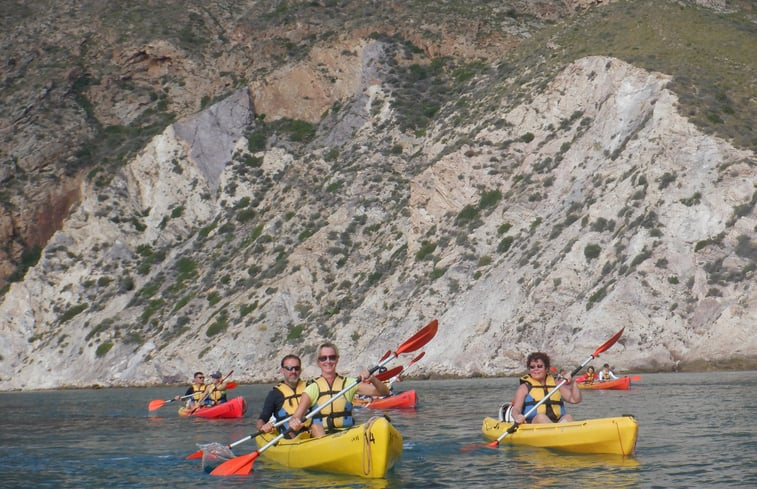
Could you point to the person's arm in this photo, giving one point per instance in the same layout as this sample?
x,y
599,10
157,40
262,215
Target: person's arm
x,y
517,405
270,406
570,391
612,375
374,387
296,422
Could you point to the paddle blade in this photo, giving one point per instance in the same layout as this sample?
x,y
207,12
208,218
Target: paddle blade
x,y
231,385
237,466
386,355
419,339
608,343
156,404
384,376
416,358
636,378
195,455
494,444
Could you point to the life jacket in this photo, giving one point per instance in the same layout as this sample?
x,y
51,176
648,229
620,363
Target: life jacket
x,y
291,400
553,407
590,377
198,391
216,396
338,414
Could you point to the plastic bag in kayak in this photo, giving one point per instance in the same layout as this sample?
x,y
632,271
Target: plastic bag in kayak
x,y
214,454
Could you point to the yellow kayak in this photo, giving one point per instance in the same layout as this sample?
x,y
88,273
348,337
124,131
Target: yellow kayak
x,y
603,435
367,450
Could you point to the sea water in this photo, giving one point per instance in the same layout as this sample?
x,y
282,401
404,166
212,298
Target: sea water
x,y
695,430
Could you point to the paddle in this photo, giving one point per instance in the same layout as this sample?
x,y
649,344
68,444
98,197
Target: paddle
x,y
388,374
414,360
514,427
636,378
156,404
242,465
211,387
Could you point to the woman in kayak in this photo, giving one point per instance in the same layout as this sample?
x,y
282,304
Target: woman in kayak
x,y
536,386
591,375
338,414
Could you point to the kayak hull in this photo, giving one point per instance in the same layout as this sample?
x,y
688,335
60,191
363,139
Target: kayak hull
x,y
602,435
405,399
235,408
368,450
621,384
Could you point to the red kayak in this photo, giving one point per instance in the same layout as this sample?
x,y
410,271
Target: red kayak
x,y
234,408
621,384
405,399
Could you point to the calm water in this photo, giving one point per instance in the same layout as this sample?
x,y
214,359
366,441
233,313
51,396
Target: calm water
x,y
696,430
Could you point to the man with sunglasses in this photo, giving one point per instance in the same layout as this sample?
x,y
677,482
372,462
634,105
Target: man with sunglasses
x,y
283,399
338,414
537,385
196,390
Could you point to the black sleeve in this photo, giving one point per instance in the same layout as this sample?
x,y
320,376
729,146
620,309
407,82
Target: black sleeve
x,y
190,390
272,403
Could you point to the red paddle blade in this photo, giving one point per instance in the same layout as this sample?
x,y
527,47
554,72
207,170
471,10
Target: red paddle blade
x,y
384,376
195,455
231,385
237,466
386,355
156,404
608,343
494,444
416,358
419,339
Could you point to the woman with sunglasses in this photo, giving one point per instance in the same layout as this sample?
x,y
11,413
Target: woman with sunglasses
x,y
538,384
283,399
338,414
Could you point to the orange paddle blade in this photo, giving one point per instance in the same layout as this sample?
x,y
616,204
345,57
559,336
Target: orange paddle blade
x,y
237,466
608,343
419,339
195,455
156,404
231,385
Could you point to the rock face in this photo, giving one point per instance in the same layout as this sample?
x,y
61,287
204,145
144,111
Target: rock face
x,y
591,207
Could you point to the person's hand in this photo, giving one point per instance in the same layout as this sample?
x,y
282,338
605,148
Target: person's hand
x,y
366,376
295,424
268,427
177,398
519,418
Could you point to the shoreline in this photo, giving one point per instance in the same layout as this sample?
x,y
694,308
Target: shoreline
x,y
743,365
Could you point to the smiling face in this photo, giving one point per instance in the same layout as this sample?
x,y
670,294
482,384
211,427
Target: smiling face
x,y
327,360
291,370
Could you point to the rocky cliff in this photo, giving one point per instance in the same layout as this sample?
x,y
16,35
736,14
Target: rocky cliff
x,y
377,181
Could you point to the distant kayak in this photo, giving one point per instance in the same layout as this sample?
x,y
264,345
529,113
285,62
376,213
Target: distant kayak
x,y
234,408
405,399
621,384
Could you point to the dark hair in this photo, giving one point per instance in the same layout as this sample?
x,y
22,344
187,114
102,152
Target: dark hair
x,y
537,355
606,365
198,373
289,357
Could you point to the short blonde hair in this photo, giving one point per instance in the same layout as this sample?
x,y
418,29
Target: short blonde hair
x,y
328,344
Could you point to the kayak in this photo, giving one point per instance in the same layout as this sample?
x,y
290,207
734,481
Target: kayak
x,y
367,450
234,408
602,435
405,399
621,384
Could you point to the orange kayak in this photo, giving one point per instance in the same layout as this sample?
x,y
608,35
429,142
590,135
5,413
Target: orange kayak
x,y
621,384
234,408
405,399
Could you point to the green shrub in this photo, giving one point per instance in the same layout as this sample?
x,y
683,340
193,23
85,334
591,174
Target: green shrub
x,y
505,244
591,251
426,250
103,349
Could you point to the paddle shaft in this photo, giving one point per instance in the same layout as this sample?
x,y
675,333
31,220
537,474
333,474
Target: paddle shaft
x,y
394,379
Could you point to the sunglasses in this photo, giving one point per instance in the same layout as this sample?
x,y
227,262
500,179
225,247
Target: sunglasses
x,y
200,377
328,357
295,368
535,366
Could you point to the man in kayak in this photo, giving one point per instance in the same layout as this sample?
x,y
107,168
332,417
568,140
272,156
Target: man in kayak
x,y
535,386
606,373
283,399
215,392
338,414
196,390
